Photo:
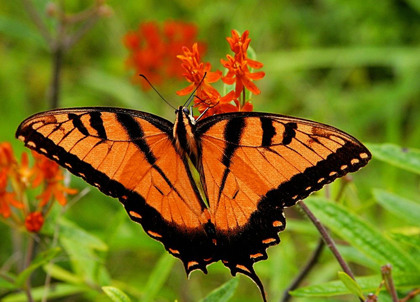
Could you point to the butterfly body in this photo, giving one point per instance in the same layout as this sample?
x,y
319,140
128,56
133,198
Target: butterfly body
x,y
252,165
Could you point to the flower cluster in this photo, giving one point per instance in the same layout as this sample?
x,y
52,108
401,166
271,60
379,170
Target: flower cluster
x,y
239,73
152,50
16,178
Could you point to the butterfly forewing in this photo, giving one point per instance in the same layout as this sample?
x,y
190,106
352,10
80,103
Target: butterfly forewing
x,y
129,155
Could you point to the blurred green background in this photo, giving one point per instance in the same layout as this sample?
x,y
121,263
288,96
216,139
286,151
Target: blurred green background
x,y
351,64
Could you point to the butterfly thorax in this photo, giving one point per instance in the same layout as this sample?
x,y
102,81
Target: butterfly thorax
x,y
185,140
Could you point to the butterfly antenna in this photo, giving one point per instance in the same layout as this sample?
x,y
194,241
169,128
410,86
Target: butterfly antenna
x,y
144,77
202,113
191,97
209,106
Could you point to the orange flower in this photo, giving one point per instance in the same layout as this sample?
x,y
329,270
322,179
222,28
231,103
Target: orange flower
x,y
194,71
239,66
7,158
20,177
153,50
177,35
44,170
57,190
239,45
7,198
200,77
24,171
47,171
34,222
216,103
238,72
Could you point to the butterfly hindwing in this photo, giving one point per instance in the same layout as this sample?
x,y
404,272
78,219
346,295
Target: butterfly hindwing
x,y
129,155
254,165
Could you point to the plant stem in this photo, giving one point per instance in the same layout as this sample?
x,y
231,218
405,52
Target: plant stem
x,y
389,282
317,252
306,269
56,235
87,25
36,18
29,255
327,238
56,75
411,295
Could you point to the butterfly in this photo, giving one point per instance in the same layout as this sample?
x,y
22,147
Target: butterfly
x,y
251,166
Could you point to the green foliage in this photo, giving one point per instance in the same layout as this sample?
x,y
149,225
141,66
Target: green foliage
x,y
361,234
39,260
158,277
351,285
222,293
115,294
351,64
61,290
366,284
399,206
404,158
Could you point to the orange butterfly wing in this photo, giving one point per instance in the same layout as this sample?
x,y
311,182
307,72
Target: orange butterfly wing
x,y
129,155
255,164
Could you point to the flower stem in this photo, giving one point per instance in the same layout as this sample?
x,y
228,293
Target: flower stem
x,y
56,235
36,18
317,252
56,75
411,295
389,282
29,255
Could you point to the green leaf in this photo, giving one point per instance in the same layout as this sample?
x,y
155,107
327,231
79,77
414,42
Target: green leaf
x,y
405,158
62,274
39,260
73,232
351,254
4,284
59,290
360,234
367,284
115,294
412,239
158,277
223,292
84,260
399,206
81,247
351,285
22,31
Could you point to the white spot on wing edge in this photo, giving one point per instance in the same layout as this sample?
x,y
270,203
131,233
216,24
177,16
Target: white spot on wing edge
x,y
363,155
31,144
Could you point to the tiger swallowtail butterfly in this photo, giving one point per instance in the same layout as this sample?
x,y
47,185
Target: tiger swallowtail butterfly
x,y
251,165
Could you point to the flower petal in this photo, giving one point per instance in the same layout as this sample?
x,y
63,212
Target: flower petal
x,y
186,90
254,64
250,86
256,75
